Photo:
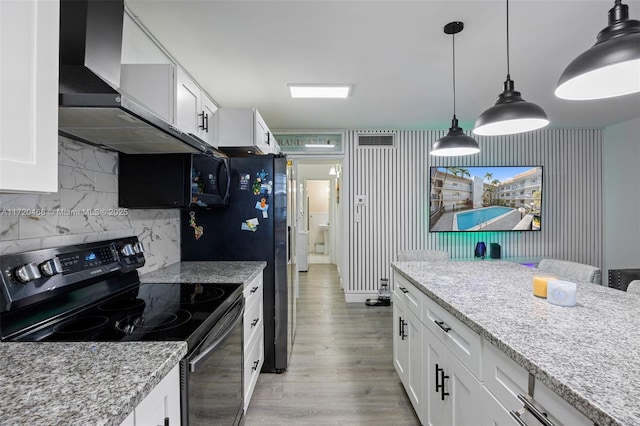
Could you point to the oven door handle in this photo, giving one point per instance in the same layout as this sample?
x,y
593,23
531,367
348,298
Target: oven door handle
x,y
193,364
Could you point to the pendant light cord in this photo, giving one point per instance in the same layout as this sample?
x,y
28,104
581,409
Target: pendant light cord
x,y
508,69
454,74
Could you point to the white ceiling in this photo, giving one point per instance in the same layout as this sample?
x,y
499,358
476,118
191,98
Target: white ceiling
x,y
393,52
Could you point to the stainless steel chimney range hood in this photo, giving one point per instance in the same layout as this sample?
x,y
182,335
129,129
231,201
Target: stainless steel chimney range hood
x,y
92,110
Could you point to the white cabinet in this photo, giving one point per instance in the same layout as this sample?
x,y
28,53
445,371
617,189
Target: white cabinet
x,y
464,379
245,129
194,109
29,33
505,380
253,336
407,347
161,406
169,92
453,393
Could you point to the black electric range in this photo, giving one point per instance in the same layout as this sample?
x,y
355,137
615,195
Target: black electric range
x,y
92,292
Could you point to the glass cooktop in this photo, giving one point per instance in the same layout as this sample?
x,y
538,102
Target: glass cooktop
x,y
148,312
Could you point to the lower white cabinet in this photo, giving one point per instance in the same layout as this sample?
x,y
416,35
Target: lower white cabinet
x,y
253,336
161,406
505,380
407,351
454,377
452,392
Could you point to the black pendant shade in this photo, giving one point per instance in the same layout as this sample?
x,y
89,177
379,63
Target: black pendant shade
x,y
511,114
611,67
455,142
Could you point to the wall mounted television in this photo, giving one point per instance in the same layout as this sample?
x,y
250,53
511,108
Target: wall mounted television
x,y
478,199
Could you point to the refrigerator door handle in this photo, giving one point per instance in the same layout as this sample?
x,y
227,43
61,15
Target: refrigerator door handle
x,y
289,243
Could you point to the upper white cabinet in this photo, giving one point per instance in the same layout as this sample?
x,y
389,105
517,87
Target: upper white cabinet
x,y
195,109
169,92
150,76
243,128
29,96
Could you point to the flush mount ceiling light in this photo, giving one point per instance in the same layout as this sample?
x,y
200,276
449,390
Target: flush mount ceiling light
x,y
455,143
319,145
511,114
319,91
611,67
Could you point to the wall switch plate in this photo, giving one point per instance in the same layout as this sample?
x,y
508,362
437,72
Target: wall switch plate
x,y
361,200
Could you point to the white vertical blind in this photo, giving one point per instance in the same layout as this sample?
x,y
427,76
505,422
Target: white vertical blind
x,y
395,181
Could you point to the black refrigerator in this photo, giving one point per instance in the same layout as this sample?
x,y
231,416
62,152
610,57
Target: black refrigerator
x,y
258,224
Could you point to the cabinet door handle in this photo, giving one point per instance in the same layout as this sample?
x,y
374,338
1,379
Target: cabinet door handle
x,y
254,367
539,415
440,383
202,120
206,123
402,323
268,141
443,325
404,290
254,322
400,326
253,290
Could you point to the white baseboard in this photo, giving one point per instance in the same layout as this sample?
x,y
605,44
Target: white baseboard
x,y
359,297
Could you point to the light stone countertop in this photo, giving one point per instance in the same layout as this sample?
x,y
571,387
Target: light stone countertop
x,y
206,272
98,383
588,354
67,383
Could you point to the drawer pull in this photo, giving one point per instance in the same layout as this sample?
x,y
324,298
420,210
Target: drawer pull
x,y
254,322
539,415
404,290
254,367
253,290
443,326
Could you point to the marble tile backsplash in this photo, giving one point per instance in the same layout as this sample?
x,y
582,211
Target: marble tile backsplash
x,y
85,209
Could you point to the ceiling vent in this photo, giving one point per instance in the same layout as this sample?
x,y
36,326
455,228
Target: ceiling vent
x,y
381,141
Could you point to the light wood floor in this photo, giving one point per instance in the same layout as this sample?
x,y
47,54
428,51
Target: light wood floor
x,y
341,370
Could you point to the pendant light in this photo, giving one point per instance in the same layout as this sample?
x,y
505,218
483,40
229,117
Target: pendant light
x,y
611,67
511,114
455,143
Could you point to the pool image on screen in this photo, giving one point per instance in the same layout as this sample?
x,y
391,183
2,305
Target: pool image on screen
x,y
499,198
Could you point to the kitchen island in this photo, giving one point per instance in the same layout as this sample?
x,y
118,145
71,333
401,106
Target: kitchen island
x,y
589,354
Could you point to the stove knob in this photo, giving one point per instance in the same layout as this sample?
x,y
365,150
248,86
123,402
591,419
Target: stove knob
x,y
51,267
138,248
28,272
127,250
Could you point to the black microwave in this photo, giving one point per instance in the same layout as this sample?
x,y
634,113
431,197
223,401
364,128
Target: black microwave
x,y
147,181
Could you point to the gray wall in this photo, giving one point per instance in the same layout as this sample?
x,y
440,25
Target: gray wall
x,y
396,182
622,195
